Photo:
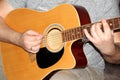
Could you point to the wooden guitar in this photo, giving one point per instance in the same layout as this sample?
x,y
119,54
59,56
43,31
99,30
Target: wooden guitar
x,y
61,48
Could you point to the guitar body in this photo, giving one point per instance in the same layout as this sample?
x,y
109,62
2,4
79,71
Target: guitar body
x,y
51,57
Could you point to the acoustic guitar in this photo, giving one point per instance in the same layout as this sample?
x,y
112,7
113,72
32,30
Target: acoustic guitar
x,y
61,47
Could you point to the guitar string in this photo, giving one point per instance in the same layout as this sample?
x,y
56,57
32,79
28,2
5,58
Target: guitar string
x,y
86,26
72,34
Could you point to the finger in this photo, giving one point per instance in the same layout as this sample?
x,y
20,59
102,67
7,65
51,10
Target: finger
x,y
88,35
105,26
31,44
35,43
33,35
33,38
99,30
94,32
31,32
35,49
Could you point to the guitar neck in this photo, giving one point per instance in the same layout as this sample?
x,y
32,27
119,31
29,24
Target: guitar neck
x,y
77,32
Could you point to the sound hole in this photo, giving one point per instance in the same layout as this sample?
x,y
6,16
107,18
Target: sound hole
x,y
53,38
45,58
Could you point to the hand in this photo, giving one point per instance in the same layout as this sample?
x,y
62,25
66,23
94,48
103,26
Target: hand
x,y
30,41
102,39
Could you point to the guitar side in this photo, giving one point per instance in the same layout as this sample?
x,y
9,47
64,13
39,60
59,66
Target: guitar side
x,y
17,63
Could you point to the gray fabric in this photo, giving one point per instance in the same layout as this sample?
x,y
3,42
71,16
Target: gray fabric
x,y
2,76
112,71
78,74
97,9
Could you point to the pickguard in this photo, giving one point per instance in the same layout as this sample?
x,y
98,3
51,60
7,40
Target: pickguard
x,y
45,58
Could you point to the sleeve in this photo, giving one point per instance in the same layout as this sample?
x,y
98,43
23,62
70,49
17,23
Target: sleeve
x,y
111,9
18,3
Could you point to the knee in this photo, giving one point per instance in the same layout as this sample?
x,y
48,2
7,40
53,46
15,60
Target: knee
x,y
64,75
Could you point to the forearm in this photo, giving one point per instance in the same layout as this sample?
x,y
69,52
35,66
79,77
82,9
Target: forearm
x,y
5,8
114,55
7,34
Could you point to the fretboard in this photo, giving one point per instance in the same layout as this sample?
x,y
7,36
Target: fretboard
x,y
77,32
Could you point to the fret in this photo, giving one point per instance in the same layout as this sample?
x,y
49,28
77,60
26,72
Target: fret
x,y
81,31
63,36
88,26
77,33
71,34
114,23
67,36
74,34
110,22
119,22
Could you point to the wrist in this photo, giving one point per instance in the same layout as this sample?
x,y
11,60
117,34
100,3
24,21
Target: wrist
x,y
16,39
114,55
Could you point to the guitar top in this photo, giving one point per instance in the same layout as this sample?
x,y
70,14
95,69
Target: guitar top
x,y
62,47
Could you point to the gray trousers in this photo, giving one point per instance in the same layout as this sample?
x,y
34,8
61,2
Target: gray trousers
x,y
88,73
2,74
